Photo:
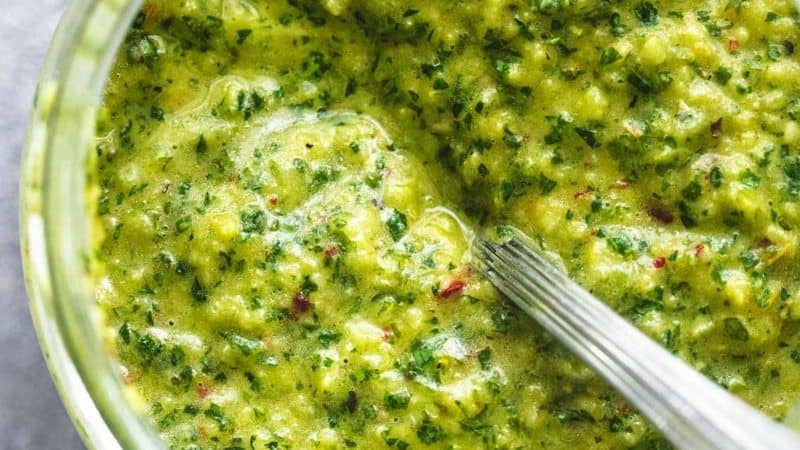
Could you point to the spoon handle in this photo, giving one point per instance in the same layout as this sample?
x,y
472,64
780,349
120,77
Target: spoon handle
x,y
689,409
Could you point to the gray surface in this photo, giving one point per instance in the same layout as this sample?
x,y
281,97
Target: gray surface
x,y
31,414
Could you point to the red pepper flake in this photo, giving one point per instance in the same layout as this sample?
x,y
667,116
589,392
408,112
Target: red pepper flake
x,y
273,200
621,184
455,287
151,13
127,377
580,194
661,215
698,250
733,45
331,252
633,128
659,262
300,302
204,391
763,243
386,333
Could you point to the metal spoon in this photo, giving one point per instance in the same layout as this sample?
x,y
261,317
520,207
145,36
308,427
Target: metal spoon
x,y
689,409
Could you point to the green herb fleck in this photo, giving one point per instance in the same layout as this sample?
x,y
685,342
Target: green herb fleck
x,y
609,56
621,244
692,191
328,337
647,13
242,35
722,75
735,330
253,221
214,412
715,177
429,432
397,224
397,400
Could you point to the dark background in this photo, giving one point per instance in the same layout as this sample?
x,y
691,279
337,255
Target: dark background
x,y
31,414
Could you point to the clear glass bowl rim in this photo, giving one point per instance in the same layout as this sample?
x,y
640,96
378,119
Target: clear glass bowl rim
x,y
54,225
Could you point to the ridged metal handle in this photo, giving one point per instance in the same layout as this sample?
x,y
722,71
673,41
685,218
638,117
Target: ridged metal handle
x,y
689,409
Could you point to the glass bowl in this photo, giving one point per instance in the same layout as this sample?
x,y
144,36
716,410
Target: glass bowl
x,y
55,226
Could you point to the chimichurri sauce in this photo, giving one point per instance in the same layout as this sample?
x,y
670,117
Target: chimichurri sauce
x,y
284,193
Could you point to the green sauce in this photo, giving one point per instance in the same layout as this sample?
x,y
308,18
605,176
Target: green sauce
x,y
286,192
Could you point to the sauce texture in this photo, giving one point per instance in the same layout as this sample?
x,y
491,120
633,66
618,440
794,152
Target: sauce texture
x,y
285,192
